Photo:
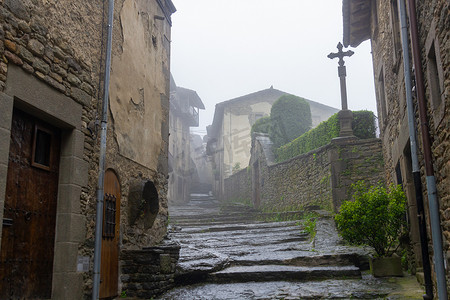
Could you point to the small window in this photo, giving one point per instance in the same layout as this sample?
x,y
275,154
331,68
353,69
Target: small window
x,y
109,218
382,99
395,24
41,147
433,77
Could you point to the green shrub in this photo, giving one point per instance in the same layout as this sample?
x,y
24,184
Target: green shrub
x,y
375,217
261,125
363,128
290,117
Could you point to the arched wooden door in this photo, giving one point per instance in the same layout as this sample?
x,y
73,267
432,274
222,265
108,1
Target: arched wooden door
x,y
109,271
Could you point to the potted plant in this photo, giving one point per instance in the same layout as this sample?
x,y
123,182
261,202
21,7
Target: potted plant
x,y
375,217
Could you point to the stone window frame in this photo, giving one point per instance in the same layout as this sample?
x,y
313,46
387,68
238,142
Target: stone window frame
x,y
382,103
34,97
395,34
435,76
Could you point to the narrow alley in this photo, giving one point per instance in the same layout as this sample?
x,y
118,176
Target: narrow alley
x,y
229,252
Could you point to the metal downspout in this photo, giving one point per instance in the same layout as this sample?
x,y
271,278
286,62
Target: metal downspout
x,y
101,171
431,180
414,158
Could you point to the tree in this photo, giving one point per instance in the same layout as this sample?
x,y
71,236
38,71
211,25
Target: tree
x,y
290,117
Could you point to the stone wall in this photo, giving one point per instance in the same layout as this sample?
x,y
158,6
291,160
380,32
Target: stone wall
x,y
239,186
433,28
53,49
321,178
297,183
149,272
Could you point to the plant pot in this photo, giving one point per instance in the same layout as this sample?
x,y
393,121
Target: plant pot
x,y
386,266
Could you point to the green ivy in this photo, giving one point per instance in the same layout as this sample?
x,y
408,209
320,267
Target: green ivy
x,y
375,217
262,125
290,117
363,127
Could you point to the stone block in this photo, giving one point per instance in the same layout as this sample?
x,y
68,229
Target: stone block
x,y
25,54
6,104
5,136
19,8
41,66
74,170
13,58
165,263
36,47
80,96
67,286
69,198
73,144
65,258
70,228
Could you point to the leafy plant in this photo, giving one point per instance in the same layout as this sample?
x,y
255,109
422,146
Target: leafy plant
x,y
363,127
262,125
290,117
310,224
375,217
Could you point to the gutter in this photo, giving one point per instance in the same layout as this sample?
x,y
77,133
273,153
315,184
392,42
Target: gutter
x,y
101,171
414,157
426,145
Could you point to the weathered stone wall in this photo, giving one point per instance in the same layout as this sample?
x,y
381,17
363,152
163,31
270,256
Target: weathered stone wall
x,y
239,186
320,178
297,183
433,28
59,43
351,161
149,272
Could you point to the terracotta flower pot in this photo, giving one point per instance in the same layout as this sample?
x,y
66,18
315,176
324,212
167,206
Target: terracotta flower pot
x,y
386,266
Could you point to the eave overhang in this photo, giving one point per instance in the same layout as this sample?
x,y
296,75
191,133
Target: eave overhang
x,y
356,18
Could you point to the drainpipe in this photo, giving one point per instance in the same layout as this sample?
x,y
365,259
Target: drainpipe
x,y
414,158
101,171
431,180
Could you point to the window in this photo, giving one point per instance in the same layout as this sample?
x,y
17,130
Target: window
x,y
433,78
382,99
395,25
41,147
109,219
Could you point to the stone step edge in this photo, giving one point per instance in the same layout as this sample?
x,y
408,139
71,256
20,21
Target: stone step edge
x,y
283,273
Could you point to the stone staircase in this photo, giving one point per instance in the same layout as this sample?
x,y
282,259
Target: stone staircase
x,y
227,252
228,244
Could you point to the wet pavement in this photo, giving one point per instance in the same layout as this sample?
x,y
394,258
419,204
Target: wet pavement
x,y
228,253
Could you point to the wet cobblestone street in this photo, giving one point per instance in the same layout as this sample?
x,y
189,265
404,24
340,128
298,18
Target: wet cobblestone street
x,y
227,253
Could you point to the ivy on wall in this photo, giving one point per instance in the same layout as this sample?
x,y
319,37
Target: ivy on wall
x,y
363,127
290,117
262,125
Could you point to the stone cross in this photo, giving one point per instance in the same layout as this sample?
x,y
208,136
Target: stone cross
x,y
342,71
345,115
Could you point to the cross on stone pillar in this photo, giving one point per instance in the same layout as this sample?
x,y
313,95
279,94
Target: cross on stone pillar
x,y
345,115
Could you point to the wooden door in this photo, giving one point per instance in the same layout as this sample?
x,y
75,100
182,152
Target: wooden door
x,y
109,271
257,185
28,233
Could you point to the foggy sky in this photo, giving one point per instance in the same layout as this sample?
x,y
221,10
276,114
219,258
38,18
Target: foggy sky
x,y
225,49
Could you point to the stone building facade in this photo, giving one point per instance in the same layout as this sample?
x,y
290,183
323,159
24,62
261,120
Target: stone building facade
x,y
229,139
51,77
379,21
184,114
